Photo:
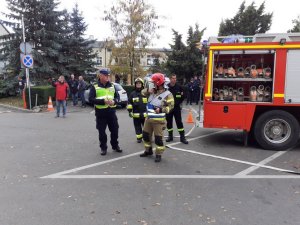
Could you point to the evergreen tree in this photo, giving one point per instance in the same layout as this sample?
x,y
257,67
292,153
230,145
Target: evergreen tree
x,y
78,49
296,27
248,21
44,29
186,60
177,58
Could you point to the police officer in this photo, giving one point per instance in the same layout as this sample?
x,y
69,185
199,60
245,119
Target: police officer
x,y
177,92
137,108
160,103
104,97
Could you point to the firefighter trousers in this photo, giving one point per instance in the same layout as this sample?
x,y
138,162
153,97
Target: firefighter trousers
x,y
157,127
176,112
138,126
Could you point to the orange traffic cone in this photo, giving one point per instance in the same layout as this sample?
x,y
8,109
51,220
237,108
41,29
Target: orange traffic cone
x,y
50,105
24,99
189,118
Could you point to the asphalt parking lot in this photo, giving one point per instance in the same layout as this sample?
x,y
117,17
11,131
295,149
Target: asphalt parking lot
x,y
52,173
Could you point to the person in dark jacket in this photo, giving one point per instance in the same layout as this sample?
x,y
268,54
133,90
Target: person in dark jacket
x,y
81,88
137,108
61,88
73,83
104,97
177,92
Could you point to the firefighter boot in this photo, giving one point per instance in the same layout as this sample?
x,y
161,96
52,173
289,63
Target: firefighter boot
x,y
147,153
157,158
182,138
170,137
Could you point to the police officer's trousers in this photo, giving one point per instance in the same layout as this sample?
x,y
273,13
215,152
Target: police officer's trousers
x,y
157,127
110,120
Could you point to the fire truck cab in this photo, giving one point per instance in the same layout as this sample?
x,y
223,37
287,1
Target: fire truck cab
x,y
253,84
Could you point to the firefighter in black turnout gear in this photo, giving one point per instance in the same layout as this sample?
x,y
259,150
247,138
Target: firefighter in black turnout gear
x,y
104,97
137,108
177,92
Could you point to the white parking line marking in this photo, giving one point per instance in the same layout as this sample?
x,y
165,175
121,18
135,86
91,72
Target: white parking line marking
x,y
263,162
233,160
57,175
176,177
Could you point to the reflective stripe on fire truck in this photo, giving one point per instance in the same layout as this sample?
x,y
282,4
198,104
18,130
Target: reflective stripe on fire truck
x,y
208,94
242,47
279,95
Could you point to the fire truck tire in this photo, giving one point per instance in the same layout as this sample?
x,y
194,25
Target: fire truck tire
x,y
276,130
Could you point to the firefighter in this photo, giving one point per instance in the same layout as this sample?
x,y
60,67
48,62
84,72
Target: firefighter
x,y
137,108
104,97
160,103
177,92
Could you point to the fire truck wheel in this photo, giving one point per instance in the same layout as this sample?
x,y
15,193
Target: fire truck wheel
x,y
276,130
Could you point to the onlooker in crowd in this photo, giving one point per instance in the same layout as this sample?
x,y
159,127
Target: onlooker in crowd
x,y
61,88
81,89
73,83
104,97
21,82
190,90
196,89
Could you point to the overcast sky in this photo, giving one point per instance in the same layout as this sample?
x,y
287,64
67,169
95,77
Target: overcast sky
x,y
179,15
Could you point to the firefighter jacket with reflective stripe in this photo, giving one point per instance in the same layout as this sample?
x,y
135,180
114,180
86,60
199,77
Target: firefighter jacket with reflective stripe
x,y
100,92
177,92
137,104
162,99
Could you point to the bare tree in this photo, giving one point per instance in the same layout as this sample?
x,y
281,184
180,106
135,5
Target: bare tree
x,y
133,23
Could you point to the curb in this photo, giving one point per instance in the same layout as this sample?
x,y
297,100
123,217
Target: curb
x,y
15,108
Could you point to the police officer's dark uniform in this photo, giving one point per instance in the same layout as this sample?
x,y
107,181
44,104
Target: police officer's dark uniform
x,y
177,92
137,109
104,97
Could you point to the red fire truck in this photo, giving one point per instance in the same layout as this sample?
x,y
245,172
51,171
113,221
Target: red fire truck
x,y
253,84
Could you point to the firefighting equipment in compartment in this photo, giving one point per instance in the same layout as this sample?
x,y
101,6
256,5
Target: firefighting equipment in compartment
x,y
241,72
260,93
231,72
260,73
216,94
221,95
253,71
247,71
267,94
220,70
234,95
253,94
240,94
267,72
230,94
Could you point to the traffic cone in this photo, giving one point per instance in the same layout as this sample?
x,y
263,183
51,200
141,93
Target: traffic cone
x,y
50,105
189,118
24,99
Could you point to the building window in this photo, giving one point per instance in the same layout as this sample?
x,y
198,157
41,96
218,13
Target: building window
x,y
149,60
99,61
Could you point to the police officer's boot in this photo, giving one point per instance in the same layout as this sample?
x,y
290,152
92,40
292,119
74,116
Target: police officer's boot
x,y
170,137
147,153
157,158
182,138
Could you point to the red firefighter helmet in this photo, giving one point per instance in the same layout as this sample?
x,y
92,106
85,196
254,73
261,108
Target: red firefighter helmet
x,y
158,79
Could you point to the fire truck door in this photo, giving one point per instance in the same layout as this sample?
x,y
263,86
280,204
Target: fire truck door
x,y
292,93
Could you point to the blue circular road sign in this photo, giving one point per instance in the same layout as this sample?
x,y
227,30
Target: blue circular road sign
x,y
27,61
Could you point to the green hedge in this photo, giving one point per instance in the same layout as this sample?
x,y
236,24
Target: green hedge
x,y
43,93
128,88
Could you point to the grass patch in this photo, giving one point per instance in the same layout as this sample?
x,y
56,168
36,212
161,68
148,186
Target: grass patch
x,y
16,101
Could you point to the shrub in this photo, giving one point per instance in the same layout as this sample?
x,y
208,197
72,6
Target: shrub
x,y
128,88
43,93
